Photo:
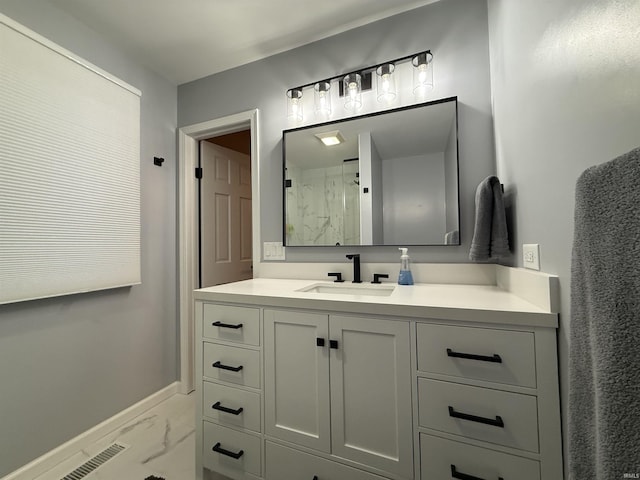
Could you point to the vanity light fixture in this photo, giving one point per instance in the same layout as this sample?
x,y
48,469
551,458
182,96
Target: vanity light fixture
x,y
330,138
351,85
322,96
353,92
386,82
294,104
422,73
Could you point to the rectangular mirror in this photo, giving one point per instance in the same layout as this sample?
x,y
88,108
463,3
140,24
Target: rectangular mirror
x,y
391,180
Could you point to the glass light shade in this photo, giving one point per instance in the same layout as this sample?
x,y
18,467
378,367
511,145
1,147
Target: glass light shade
x,y
422,73
352,92
322,98
386,82
294,104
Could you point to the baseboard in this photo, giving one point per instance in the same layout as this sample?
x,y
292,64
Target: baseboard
x,y
59,454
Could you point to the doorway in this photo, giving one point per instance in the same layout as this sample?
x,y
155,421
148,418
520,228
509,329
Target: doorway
x,y
225,248
189,138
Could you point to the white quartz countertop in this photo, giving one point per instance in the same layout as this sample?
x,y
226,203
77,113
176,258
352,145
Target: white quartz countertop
x,y
474,303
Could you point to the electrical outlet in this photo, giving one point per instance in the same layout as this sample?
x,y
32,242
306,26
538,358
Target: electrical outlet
x,y
531,256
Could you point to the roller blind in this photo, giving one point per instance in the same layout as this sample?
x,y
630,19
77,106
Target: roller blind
x,y
69,172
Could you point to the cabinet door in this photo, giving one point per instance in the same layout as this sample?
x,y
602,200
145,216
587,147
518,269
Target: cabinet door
x,y
371,393
297,378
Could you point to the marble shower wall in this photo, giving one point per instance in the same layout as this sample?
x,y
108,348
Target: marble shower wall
x,y
323,206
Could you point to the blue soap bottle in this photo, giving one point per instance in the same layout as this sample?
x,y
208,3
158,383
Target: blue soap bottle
x,y
405,277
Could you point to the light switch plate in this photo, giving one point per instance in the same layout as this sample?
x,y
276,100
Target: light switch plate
x,y
273,251
531,256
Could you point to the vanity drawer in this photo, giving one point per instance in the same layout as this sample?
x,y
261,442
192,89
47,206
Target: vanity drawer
x,y
231,406
232,364
283,463
501,356
439,457
235,452
231,324
512,418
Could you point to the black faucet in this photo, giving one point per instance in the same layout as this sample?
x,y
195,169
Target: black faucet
x,y
356,267
338,276
378,276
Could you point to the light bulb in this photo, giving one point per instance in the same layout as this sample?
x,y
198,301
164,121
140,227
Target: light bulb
x,y
352,88
386,83
422,73
322,98
294,104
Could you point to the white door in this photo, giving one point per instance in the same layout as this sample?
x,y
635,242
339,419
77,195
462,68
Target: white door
x,y
370,373
296,371
225,215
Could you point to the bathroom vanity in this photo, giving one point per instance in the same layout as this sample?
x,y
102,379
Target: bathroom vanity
x,y
304,380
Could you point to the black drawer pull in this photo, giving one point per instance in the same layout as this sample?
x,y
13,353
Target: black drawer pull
x,y
319,342
488,421
217,406
219,449
315,477
333,344
226,325
227,367
463,476
495,358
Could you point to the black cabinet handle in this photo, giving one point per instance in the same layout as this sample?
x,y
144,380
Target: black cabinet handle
x,y
473,418
333,344
226,325
315,477
319,342
217,406
219,449
463,476
483,358
227,367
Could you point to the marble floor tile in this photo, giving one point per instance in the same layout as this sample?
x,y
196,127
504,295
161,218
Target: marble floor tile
x,y
160,442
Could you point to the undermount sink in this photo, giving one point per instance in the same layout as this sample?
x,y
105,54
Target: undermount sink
x,y
350,289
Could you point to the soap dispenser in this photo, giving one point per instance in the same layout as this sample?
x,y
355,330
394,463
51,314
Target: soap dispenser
x,y
405,277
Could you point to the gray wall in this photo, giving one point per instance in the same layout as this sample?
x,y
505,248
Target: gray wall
x,y
69,363
455,30
565,94
414,199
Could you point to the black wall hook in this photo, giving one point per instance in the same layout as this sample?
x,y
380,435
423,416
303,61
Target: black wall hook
x,y
158,161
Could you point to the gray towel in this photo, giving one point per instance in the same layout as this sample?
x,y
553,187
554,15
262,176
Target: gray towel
x,y
452,238
490,239
604,357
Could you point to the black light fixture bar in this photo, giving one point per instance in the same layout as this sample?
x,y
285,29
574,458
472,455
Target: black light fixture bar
x,y
365,72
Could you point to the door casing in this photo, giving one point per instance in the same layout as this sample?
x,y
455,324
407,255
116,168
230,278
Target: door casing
x,y
188,260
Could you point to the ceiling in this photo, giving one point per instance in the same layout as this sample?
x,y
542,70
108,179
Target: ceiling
x,y
183,40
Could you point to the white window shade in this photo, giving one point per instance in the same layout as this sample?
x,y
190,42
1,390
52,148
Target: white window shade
x,y
69,172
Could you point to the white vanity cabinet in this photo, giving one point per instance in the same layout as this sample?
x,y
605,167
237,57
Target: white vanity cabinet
x,y
487,402
340,385
354,388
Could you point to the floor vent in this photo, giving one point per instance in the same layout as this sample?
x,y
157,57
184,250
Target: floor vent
x,y
90,465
